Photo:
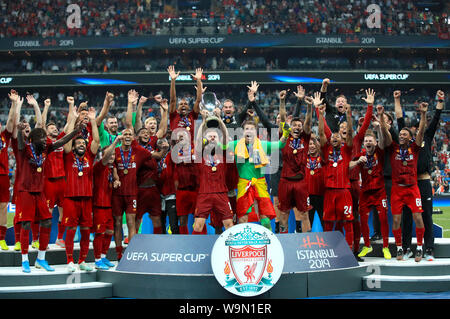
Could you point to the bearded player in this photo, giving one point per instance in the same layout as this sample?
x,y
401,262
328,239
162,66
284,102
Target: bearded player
x,y
79,156
405,191
336,160
293,189
213,192
103,224
373,193
31,204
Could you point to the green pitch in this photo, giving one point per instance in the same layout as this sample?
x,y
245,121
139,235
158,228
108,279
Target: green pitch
x,y
443,220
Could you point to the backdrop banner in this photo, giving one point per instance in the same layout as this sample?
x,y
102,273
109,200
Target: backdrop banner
x,y
191,254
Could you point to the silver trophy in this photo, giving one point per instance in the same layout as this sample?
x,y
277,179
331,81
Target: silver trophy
x,y
209,103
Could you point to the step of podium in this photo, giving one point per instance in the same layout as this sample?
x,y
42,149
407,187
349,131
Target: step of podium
x,y
60,283
406,276
55,255
87,290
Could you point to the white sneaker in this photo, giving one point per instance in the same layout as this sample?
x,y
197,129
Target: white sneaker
x,y
71,267
85,267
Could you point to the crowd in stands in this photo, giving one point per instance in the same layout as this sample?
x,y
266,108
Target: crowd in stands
x,y
43,18
226,62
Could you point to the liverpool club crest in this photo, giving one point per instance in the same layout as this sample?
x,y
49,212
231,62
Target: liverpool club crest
x,y
247,259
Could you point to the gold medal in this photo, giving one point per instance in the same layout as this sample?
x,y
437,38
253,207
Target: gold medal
x,y
334,164
125,171
311,172
405,163
295,152
39,169
214,168
369,171
80,174
188,128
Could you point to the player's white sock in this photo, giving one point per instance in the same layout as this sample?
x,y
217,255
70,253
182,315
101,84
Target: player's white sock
x,y
41,255
24,257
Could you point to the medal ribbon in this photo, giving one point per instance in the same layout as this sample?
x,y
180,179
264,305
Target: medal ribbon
x,y
403,154
296,143
79,164
336,155
127,163
312,164
186,122
37,159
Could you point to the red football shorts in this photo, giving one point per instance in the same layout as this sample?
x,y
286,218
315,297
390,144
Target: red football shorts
x,y
217,204
293,193
103,219
337,205
54,191
148,201
123,203
186,201
31,207
77,211
4,188
405,196
374,198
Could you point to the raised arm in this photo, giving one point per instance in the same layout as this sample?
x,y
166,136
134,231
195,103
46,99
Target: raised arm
x,y
387,137
300,94
95,144
173,94
10,123
321,112
369,99
423,108
323,94
349,136
47,104
308,118
37,112
110,150
283,113
138,124
397,104
132,100
164,107
19,102
198,78
252,99
107,103
71,115
432,126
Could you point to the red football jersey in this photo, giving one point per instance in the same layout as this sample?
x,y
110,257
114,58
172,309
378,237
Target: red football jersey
x,y
166,168
315,180
187,122
152,144
336,170
404,174
76,185
54,165
103,185
186,175
372,171
135,158
5,139
294,155
32,175
211,175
